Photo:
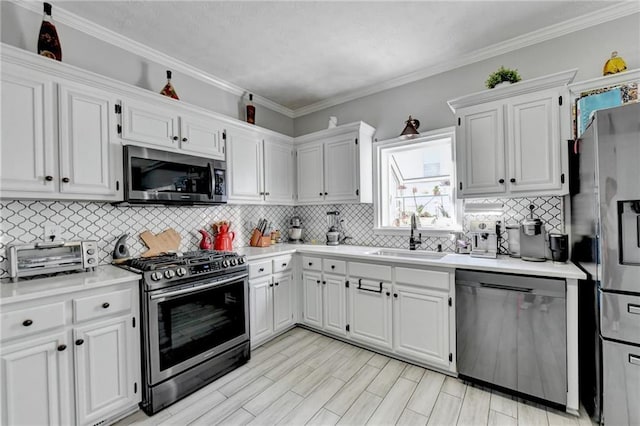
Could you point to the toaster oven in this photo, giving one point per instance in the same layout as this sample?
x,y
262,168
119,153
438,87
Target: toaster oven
x,y
45,257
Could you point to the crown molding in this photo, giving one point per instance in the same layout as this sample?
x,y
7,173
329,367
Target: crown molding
x,y
103,34
553,31
628,76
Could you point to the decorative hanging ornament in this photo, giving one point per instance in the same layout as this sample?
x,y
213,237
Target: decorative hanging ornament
x,y
168,89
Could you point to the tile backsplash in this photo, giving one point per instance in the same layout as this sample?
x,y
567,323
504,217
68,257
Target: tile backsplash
x,y
22,221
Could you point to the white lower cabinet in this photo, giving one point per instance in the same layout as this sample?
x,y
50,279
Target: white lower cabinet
x,y
44,383
104,365
312,298
421,324
271,297
370,312
35,381
334,307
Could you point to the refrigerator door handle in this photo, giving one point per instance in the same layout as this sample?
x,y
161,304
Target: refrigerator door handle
x,y
638,230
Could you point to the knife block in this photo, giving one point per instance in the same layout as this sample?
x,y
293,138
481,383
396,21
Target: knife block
x,y
259,240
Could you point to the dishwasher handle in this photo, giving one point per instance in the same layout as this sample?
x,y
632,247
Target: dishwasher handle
x,y
506,287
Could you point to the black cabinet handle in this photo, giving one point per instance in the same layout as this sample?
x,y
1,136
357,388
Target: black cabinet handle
x,y
501,181
284,265
27,323
267,193
318,281
270,285
395,294
367,289
320,194
324,282
79,342
388,294
62,348
175,138
277,284
326,193
66,179
48,178
105,305
185,140
261,270
310,263
512,180
333,266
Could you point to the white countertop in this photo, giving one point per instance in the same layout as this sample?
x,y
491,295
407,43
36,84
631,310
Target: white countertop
x,y
504,264
104,275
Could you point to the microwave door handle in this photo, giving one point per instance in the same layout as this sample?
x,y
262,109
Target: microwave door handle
x,y
198,288
212,177
638,230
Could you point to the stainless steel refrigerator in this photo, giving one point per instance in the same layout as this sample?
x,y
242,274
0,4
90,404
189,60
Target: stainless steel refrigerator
x,y
605,227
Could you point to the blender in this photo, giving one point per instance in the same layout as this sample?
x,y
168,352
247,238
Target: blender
x,y
333,234
295,231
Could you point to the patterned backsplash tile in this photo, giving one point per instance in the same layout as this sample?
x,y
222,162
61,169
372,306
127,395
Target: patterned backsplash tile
x,y
22,221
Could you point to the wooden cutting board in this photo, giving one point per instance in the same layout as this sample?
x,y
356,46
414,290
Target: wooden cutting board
x,y
164,242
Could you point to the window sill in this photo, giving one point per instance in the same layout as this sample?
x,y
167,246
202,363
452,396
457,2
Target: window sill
x,y
426,232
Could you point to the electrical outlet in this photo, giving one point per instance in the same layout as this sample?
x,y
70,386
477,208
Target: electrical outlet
x,y
52,232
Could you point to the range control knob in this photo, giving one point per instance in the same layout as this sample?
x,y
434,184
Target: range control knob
x,y
90,252
234,262
169,273
181,272
225,263
156,276
241,260
91,260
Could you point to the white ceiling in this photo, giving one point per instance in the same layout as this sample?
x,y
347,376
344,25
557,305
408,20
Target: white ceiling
x,y
297,53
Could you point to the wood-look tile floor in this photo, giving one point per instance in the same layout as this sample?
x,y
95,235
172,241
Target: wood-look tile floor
x,y
304,377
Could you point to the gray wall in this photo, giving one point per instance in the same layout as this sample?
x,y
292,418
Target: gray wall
x,y
426,99
19,28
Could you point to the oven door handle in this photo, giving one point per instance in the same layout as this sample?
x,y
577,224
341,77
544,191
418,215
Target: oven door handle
x,y
197,288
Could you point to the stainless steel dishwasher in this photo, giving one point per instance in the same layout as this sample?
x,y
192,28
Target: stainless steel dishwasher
x,y
511,333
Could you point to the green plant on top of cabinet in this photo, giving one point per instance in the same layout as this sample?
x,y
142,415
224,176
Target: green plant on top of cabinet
x,y
260,167
509,141
82,161
334,165
175,129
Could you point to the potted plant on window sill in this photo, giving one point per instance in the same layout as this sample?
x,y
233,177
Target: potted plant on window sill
x,y
503,76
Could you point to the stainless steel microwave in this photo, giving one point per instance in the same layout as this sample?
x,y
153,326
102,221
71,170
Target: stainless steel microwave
x,y
153,176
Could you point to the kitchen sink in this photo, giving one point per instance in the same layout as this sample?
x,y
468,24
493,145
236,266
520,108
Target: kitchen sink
x,y
415,254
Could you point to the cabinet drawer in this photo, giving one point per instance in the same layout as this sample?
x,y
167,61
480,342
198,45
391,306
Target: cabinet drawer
x,y
87,308
282,263
312,263
260,269
32,320
423,278
334,266
370,270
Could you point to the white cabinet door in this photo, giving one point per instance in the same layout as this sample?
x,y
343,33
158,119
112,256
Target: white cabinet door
x,y
244,150
370,312
312,299
421,324
310,173
202,136
105,368
146,123
28,158
334,303
279,180
534,135
35,382
340,170
261,308
88,159
283,299
480,148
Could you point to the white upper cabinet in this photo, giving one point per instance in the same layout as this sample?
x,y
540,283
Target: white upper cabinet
x,y
510,140
58,144
28,160
172,128
335,165
90,162
260,167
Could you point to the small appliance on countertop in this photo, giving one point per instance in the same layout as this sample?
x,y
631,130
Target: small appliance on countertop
x,y
333,234
484,238
559,245
513,239
295,231
533,241
43,257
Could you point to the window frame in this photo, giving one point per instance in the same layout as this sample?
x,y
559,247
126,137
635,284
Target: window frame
x,y
378,147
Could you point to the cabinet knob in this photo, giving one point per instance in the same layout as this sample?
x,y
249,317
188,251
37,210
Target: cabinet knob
x,y
277,284
270,285
318,281
333,266
62,348
261,270
326,193
395,294
105,305
185,140
266,193
175,138
48,178
79,342
27,323
66,179
262,193
284,265
320,194
310,263
388,294
501,181
324,282
512,180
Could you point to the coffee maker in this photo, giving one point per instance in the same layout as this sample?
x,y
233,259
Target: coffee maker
x,y
295,232
533,241
484,238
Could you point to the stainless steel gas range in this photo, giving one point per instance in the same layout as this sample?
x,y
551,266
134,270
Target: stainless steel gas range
x,y
195,322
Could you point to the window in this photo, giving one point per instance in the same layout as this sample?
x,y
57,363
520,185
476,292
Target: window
x,y
416,176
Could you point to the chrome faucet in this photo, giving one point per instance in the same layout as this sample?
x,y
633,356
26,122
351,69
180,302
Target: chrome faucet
x,y
413,242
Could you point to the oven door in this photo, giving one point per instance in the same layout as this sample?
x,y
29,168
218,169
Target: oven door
x,y
191,323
